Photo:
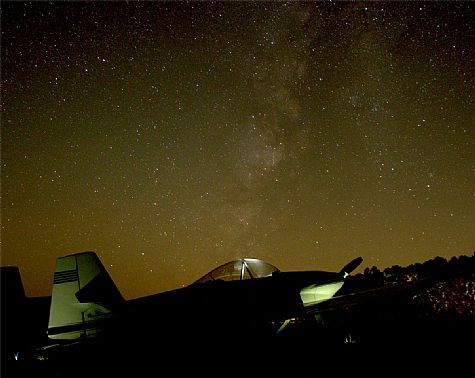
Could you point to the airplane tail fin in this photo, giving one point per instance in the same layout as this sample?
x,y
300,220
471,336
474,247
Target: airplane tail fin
x,y
84,297
13,304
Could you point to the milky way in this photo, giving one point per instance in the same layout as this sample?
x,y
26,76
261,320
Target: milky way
x,y
171,137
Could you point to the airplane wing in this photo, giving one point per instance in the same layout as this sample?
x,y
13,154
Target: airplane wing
x,y
386,315
384,295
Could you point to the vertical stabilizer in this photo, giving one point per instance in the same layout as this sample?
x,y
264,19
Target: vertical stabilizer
x,y
13,306
84,297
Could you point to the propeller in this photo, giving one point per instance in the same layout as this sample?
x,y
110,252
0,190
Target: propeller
x,y
351,266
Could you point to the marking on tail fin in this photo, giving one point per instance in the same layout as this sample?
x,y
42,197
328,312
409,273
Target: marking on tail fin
x,y
65,276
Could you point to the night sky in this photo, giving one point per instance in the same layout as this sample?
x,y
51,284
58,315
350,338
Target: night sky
x,y
172,137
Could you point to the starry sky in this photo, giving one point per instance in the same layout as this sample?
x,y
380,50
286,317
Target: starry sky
x,y
172,137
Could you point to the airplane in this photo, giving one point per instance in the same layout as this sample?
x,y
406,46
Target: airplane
x,y
248,290
235,305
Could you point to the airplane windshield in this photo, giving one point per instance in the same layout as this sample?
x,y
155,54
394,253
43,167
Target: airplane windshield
x,y
241,269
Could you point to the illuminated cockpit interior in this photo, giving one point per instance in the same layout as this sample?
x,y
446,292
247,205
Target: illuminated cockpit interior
x,y
241,269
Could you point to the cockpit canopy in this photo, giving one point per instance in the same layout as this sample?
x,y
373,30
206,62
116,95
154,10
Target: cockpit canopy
x,y
242,269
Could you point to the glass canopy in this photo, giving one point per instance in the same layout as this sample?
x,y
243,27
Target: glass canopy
x,y
241,269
